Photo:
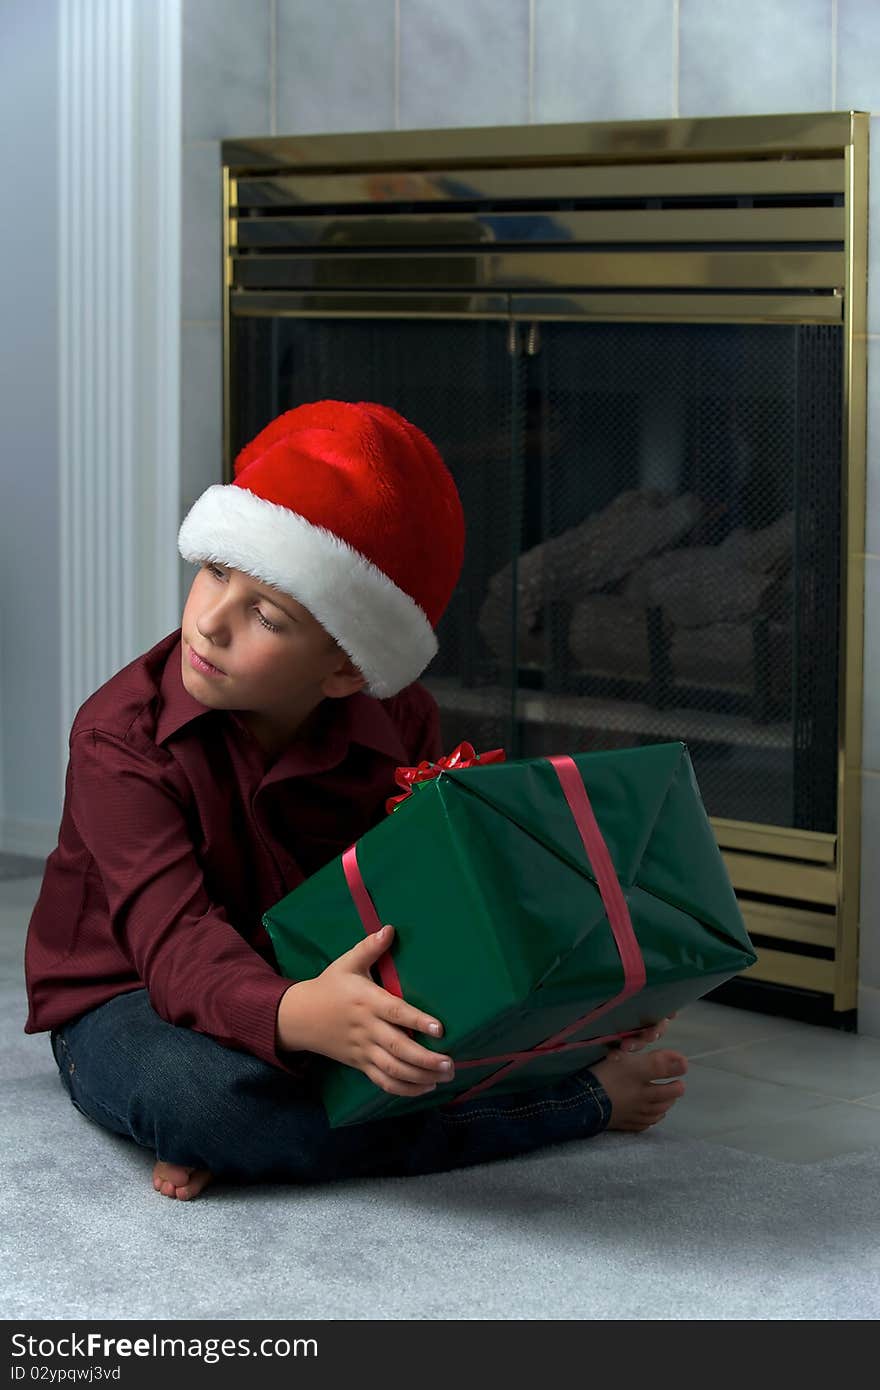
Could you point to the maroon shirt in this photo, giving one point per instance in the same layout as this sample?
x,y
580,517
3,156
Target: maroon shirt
x,y
178,832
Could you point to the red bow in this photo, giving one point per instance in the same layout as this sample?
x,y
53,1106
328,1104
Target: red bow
x,y
462,756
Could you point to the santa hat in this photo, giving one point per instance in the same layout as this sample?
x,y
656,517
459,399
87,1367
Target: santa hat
x,y
351,510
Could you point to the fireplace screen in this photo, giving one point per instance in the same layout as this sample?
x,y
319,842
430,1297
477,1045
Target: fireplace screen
x,y
640,347
653,531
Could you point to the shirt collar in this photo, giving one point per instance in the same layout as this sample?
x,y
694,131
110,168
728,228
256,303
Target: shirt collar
x,y
370,724
353,719
357,718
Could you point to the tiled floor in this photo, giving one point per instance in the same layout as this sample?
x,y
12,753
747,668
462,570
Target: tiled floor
x,y
756,1083
774,1087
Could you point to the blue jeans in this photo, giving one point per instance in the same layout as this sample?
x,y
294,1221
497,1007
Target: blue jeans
x,y
190,1100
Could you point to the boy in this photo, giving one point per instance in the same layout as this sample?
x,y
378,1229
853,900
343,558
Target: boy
x,y
215,772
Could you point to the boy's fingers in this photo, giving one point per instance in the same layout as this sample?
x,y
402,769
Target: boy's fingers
x,y
395,1010
393,1066
364,954
381,1078
376,941
403,1015
397,1044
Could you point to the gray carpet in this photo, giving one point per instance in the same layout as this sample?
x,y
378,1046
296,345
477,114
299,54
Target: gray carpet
x,y
619,1227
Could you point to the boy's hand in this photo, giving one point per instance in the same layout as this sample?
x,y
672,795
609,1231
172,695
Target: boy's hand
x,y
344,1014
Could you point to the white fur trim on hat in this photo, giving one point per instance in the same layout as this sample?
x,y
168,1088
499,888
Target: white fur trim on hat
x,y
386,634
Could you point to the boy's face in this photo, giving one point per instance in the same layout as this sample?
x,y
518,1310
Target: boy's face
x,y
267,653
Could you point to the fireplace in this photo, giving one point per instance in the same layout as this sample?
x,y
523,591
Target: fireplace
x,y
640,348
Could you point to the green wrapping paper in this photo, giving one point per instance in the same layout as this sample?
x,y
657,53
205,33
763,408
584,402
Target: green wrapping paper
x,y
501,930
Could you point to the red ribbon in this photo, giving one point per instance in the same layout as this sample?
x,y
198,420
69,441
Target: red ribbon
x,y
462,756
609,888
619,920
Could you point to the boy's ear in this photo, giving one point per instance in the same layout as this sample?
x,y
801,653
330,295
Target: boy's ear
x,y
344,679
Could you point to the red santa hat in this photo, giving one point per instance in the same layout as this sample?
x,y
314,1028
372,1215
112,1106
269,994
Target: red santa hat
x,y
350,510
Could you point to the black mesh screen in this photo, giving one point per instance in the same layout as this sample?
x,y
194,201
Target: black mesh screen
x,y
653,532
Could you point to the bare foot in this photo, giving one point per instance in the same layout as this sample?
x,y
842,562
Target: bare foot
x,y
173,1180
629,1080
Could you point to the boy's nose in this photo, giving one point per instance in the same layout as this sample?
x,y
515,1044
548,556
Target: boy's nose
x,y
213,627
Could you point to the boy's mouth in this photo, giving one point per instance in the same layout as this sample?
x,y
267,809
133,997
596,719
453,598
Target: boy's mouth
x,y
204,668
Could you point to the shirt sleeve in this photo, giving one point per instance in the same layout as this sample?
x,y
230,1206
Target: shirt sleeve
x,y
199,972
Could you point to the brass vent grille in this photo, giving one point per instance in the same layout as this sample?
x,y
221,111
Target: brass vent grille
x,y
768,228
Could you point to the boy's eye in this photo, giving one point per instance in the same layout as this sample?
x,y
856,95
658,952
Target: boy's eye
x,y
265,621
218,573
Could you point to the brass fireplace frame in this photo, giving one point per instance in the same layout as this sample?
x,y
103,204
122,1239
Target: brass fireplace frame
x,y
791,249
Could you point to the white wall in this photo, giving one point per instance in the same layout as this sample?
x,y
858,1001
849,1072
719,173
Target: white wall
x,y
29,618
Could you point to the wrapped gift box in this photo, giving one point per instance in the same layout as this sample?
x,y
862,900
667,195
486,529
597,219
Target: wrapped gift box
x,y
540,907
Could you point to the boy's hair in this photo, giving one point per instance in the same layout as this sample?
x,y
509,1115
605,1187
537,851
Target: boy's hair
x,y
350,509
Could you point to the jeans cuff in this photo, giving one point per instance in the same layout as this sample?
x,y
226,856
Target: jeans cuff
x,y
600,1096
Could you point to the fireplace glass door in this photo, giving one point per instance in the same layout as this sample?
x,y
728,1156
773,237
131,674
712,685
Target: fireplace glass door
x,y
653,516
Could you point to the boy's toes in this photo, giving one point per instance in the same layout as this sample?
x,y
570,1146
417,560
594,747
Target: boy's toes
x,y
653,1109
175,1180
197,1180
665,1063
169,1175
665,1096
